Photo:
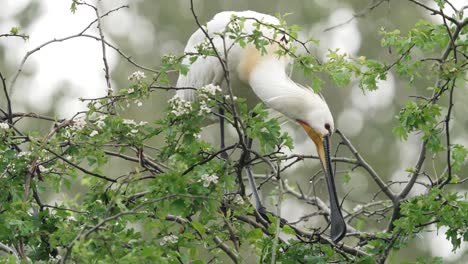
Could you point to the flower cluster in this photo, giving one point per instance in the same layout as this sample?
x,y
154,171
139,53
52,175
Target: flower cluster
x,y
204,94
238,199
137,76
93,133
43,169
4,125
129,122
180,106
168,239
132,122
227,97
204,108
100,121
23,154
210,89
55,259
208,179
134,125
79,123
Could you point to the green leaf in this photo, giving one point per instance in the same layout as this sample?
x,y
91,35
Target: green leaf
x,y
73,6
255,234
199,227
316,84
346,178
365,260
440,3
15,30
459,153
288,230
183,69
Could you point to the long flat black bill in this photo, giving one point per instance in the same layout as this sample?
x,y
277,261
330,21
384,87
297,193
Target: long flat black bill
x,y
337,223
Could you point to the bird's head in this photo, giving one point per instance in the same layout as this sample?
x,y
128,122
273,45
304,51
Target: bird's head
x,y
319,126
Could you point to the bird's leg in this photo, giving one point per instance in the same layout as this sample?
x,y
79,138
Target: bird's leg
x,y
248,169
224,154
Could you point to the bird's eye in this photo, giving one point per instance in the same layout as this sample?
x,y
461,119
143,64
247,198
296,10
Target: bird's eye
x,y
327,126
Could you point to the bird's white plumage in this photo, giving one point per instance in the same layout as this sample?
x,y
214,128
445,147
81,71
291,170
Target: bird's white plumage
x,y
272,85
208,70
266,74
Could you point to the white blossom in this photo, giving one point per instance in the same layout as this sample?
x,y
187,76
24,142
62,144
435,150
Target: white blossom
x,y
4,125
134,131
130,90
93,133
227,97
142,123
136,76
210,89
23,153
129,122
238,200
204,109
100,123
168,239
180,106
208,179
67,133
41,168
57,258
79,123
203,97
139,103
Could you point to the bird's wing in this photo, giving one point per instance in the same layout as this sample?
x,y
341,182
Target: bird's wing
x,y
208,70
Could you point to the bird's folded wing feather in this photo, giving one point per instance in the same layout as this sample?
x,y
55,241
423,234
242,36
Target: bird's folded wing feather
x,y
208,70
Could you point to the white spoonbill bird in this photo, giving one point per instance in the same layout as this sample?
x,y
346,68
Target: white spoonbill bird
x,y
266,75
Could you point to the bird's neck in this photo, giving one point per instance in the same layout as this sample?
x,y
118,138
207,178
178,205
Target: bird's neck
x,y
253,62
268,78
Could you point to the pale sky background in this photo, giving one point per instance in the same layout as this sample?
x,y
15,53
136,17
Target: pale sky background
x,y
79,63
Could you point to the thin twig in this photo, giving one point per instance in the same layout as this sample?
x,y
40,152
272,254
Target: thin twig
x,y
435,12
447,136
9,116
80,34
219,243
372,5
104,57
385,189
80,168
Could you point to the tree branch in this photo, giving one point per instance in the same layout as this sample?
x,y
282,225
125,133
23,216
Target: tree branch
x,y
5,90
385,188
